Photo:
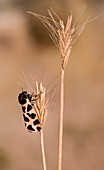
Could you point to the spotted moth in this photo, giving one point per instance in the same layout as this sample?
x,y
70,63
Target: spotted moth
x,y
32,122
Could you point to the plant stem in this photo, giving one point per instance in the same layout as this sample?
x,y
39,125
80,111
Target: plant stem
x,y
61,120
43,151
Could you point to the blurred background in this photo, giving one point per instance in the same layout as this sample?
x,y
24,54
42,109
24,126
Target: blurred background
x,y
24,44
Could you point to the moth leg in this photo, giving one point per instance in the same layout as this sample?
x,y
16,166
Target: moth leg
x,y
37,96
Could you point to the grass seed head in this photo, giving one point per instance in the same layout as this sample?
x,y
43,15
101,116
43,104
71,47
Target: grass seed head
x,y
41,103
63,35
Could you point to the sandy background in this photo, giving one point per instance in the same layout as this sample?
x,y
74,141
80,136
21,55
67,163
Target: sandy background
x,y
24,44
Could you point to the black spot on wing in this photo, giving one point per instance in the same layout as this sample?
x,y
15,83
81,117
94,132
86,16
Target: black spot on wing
x,y
26,119
23,108
29,107
29,127
36,122
38,128
32,115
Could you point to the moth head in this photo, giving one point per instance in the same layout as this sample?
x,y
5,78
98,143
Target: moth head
x,y
22,97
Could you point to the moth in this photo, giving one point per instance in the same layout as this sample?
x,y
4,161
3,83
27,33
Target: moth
x,y
31,120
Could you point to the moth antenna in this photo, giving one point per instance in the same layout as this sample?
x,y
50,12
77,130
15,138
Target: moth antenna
x,y
19,85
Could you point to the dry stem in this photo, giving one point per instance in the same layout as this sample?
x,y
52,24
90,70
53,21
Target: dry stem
x,y
61,120
43,150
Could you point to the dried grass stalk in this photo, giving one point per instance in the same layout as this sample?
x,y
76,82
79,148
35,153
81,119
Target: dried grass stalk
x,y
60,143
63,36
40,107
43,151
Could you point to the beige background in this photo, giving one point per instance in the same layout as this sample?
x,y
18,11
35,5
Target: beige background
x,y
23,47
